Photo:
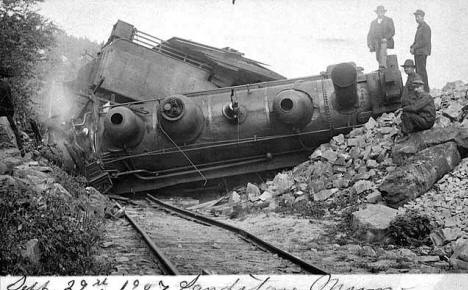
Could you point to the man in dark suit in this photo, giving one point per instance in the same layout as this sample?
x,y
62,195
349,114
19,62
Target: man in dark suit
x,y
419,111
7,108
421,46
380,36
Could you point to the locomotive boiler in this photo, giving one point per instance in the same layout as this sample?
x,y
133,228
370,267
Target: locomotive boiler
x,y
192,137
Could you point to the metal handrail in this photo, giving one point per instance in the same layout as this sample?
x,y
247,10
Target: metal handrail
x,y
157,44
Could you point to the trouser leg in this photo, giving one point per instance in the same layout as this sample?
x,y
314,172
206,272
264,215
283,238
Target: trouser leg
x,y
420,62
412,122
406,124
377,51
382,54
13,126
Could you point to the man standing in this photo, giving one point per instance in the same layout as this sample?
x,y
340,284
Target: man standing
x,y
380,36
421,46
419,112
408,90
7,109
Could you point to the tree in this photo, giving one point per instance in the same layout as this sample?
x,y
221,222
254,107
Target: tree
x,y
25,38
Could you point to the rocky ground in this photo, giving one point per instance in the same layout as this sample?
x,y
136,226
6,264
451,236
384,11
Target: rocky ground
x,y
50,221
364,203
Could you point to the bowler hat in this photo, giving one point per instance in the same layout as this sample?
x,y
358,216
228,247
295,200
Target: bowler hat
x,y
419,12
380,8
408,62
417,80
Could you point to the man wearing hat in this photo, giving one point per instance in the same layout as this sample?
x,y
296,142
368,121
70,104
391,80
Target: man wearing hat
x,y
419,111
409,68
380,36
421,46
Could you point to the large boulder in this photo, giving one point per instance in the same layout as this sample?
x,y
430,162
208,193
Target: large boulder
x,y
459,258
283,182
419,173
372,223
427,138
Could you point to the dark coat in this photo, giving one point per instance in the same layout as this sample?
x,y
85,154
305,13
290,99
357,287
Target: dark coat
x,y
422,39
377,32
408,91
6,103
423,105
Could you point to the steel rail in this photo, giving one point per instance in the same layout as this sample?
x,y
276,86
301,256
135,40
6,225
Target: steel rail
x,y
167,267
243,234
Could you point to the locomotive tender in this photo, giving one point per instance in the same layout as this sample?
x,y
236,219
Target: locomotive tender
x,y
199,124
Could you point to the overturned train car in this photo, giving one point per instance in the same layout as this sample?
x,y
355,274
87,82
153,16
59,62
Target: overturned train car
x,y
134,65
197,136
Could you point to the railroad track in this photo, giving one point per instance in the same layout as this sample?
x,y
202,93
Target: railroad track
x,y
188,243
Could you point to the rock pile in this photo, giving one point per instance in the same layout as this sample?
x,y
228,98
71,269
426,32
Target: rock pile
x,y
353,165
451,104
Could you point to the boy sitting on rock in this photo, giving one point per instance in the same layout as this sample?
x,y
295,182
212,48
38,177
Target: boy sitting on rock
x,y
419,111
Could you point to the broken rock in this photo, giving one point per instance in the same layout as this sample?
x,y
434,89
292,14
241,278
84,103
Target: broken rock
x,y
427,138
371,163
266,196
253,192
339,139
362,185
371,124
419,174
374,197
324,194
372,222
453,111
283,182
330,155
235,197
442,122
461,250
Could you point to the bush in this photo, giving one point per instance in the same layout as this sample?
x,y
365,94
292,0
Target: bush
x,y
411,229
66,234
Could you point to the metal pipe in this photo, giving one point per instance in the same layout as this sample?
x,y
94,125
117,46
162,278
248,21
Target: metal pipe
x,y
230,143
184,167
196,171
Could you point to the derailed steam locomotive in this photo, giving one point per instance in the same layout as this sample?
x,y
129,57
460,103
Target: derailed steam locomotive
x,y
152,132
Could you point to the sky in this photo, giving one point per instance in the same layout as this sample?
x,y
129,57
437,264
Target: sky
x,y
296,38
